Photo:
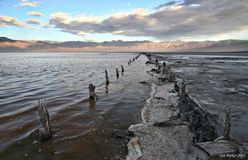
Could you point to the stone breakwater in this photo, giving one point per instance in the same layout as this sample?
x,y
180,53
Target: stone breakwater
x,y
175,126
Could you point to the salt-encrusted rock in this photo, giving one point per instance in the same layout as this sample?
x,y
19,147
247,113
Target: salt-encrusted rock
x,y
157,110
134,150
139,129
172,143
165,92
164,133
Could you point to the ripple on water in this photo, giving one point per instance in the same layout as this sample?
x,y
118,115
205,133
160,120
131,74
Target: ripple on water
x,y
62,79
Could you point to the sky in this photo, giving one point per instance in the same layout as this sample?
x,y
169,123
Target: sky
x,y
128,20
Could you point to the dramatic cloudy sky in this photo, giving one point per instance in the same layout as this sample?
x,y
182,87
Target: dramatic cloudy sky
x,y
99,20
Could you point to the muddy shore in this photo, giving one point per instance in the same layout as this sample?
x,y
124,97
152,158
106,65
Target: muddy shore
x,y
176,126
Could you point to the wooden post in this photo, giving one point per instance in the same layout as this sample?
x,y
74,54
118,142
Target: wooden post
x,y
172,75
92,94
159,67
117,73
44,121
164,64
156,62
164,68
227,125
106,77
122,68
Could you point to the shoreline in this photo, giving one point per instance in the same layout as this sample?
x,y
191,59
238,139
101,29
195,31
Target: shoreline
x,y
175,126
218,53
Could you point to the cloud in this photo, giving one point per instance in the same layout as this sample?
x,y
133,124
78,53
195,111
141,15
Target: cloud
x,y
179,4
28,3
33,21
10,21
38,23
166,4
189,18
34,13
192,2
45,25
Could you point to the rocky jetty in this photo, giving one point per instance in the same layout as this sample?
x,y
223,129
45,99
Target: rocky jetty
x,y
175,126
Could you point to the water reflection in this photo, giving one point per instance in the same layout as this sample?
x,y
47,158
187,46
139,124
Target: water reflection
x,y
92,104
106,89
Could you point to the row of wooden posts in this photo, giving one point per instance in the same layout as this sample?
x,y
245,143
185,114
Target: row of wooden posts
x,y
164,69
44,129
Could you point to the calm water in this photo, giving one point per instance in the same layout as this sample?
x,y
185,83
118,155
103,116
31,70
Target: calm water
x,y
82,130
218,82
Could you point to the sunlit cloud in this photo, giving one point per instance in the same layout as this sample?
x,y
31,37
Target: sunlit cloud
x,y
28,3
10,21
188,18
45,25
34,13
33,21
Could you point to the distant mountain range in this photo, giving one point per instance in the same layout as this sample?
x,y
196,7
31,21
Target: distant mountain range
x,y
10,45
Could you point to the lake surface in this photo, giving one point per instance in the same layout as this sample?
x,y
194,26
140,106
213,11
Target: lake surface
x,y
81,129
218,82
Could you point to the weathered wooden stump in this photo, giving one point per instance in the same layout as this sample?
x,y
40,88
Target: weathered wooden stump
x,y
92,94
227,125
164,68
106,77
122,68
117,73
156,62
44,121
159,67
164,64
172,75
183,90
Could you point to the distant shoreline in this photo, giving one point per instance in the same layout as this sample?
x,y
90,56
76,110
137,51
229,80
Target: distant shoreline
x,y
232,53
176,47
